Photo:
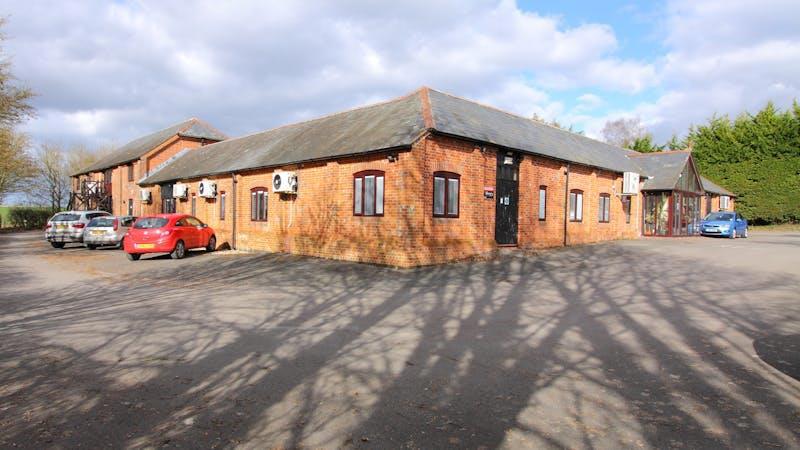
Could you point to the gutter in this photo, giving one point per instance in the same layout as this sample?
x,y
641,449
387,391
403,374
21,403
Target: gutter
x,y
566,205
233,210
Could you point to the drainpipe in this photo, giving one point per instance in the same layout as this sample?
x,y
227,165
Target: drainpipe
x,y
566,205
233,210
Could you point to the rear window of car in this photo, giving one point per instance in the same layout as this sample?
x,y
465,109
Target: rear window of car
x,y
150,222
102,222
66,217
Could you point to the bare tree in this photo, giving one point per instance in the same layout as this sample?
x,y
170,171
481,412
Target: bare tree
x,y
50,185
16,166
624,132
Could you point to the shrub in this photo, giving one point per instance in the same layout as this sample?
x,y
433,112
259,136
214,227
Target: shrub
x,y
28,218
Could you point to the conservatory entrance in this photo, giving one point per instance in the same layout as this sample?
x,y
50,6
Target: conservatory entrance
x,y
671,213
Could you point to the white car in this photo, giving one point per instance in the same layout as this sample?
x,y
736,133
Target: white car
x,y
106,230
68,226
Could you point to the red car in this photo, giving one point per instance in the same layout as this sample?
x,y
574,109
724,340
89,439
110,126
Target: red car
x,y
168,233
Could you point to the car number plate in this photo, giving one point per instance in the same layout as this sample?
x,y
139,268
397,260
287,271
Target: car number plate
x,y
143,246
61,226
97,232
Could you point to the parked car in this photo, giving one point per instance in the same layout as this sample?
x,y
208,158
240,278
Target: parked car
x,y
68,226
168,233
724,223
106,230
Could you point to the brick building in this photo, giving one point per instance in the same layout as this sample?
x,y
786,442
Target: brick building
x,y
111,184
423,179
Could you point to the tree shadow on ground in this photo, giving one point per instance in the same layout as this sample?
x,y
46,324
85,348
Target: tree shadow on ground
x,y
577,348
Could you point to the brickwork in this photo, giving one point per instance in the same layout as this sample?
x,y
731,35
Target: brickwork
x,y
319,220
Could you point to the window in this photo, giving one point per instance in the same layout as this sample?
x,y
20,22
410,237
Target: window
x,y
194,205
604,210
222,197
542,202
258,204
368,189
446,187
626,207
168,205
576,206
724,202
130,172
130,206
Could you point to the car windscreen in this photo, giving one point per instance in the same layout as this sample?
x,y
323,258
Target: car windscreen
x,y
102,222
719,216
63,217
150,222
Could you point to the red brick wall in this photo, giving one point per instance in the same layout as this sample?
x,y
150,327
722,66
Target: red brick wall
x,y
319,221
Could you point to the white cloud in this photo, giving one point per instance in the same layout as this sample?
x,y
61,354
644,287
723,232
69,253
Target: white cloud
x,y
725,57
251,65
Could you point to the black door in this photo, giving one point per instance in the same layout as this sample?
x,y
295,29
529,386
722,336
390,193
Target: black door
x,y
507,197
167,201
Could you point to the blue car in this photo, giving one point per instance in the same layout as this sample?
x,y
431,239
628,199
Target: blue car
x,y
724,223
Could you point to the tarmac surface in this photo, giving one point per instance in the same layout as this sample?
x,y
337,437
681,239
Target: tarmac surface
x,y
653,343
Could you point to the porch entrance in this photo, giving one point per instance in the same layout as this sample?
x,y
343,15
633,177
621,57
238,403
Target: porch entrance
x,y
507,199
671,213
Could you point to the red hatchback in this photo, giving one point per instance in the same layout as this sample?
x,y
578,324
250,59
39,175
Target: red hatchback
x,y
168,233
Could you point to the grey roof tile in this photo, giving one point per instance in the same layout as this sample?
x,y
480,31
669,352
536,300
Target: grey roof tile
x,y
392,124
194,128
709,186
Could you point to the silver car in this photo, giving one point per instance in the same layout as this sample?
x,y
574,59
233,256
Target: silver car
x,y
68,226
106,230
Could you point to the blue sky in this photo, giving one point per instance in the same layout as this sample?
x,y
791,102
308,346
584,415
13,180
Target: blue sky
x,y
107,72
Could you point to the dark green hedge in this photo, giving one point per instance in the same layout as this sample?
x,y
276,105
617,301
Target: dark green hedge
x,y
758,158
28,218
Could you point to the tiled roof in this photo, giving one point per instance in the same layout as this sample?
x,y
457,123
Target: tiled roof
x,y
193,128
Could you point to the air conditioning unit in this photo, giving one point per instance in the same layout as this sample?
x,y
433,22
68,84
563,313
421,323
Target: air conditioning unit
x,y
145,196
285,182
207,189
180,190
630,183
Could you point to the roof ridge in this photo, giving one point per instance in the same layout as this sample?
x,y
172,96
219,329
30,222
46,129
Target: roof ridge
x,y
324,116
196,120
427,111
572,133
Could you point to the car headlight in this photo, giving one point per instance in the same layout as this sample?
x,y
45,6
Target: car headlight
x,y
724,227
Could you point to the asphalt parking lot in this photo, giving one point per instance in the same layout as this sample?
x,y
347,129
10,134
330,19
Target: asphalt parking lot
x,y
653,343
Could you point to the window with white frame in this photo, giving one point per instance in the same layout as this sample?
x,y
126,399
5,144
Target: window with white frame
x,y
576,205
724,202
258,204
368,193
446,187
604,209
542,202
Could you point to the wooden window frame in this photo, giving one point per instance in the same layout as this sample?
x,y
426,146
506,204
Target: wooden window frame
x,y
254,194
362,175
542,206
223,197
130,172
604,207
577,192
627,208
447,176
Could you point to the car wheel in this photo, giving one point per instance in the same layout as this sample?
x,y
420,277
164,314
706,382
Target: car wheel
x,y
57,244
745,233
179,252
133,256
733,233
212,244
91,246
